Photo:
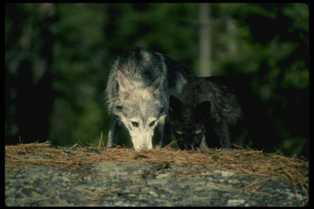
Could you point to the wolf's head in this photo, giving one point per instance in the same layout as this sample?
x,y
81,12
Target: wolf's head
x,y
186,123
140,99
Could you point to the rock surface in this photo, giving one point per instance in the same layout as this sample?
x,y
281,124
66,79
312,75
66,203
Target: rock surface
x,y
36,176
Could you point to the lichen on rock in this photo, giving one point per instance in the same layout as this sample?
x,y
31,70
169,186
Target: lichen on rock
x,y
42,175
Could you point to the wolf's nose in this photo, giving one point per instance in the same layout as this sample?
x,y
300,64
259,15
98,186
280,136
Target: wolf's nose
x,y
139,148
143,147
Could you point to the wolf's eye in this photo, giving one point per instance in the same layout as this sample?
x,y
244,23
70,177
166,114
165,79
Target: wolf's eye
x,y
151,124
135,124
179,132
198,132
119,107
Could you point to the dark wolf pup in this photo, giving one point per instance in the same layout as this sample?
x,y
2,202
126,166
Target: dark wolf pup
x,y
138,90
204,114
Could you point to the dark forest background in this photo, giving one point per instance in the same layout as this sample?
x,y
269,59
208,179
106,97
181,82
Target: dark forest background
x,y
57,58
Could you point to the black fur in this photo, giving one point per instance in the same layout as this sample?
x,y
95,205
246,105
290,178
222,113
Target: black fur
x,y
207,112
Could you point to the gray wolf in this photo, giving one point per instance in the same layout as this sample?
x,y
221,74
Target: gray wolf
x,y
138,89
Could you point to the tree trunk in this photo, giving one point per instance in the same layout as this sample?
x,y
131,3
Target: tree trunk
x,y
231,31
44,87
205,45
34,99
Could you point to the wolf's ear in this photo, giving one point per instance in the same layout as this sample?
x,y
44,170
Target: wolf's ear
x,y
175,105
158,83
158,86
124,84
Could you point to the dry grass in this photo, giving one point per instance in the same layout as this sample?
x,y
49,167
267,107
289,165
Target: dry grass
x,y
245,161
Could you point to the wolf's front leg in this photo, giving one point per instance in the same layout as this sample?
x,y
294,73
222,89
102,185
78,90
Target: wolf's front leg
x,y
161,132
112,133
224,135
203,145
